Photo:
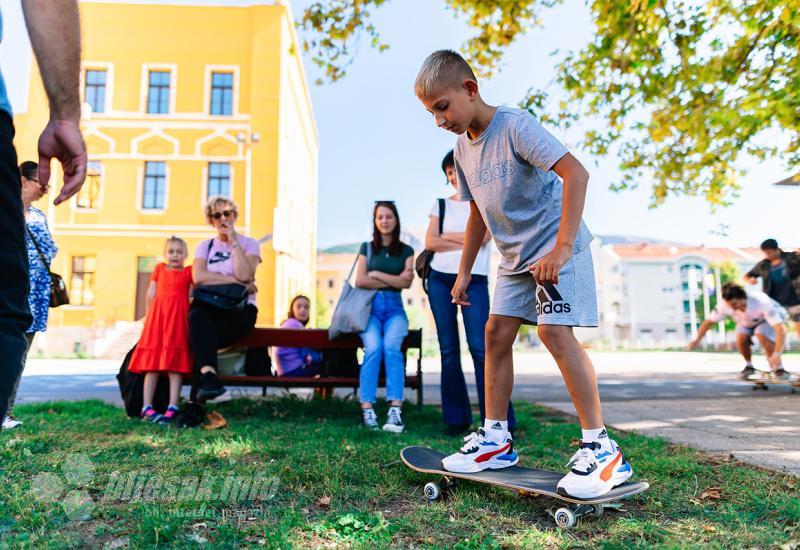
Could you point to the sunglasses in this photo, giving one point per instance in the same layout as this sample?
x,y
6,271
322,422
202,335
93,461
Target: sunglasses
x,y
223,214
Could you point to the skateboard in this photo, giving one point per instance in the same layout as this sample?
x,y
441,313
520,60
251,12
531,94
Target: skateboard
x,y
531,481
762,380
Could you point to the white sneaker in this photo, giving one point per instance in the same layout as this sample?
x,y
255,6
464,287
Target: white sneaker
x,y
595,471
394,421
479,453
10,422
369,418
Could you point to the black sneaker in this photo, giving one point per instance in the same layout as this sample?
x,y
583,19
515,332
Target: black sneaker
x,y
457,430
747,372
370,419
210,388
394,421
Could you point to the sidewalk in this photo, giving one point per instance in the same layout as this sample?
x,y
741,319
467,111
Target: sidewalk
x,y
687,398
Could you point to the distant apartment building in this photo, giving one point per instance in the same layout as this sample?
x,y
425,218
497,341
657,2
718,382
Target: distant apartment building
x,y
654,294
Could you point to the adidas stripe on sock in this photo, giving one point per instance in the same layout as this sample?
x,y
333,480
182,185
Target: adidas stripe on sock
x,y
495,430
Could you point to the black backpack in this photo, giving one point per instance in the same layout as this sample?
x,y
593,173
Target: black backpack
x,y
422,265
131,387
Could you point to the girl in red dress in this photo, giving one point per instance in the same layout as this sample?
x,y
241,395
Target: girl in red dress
x,y
164,345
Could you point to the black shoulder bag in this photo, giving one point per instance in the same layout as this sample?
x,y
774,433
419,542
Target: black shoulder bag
x,y
422,265
228,297
58,289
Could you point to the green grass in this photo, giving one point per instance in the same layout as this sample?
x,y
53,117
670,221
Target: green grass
x,y
335,483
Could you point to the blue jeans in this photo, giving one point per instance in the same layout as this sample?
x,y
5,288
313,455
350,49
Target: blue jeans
x,y
387,328
455,399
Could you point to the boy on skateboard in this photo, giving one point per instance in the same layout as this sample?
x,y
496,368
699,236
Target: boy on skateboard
x,y
508,167
757,314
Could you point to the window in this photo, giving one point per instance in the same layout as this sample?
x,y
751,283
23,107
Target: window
x,y
155,183
82,282
219,179
89,195
221,93
95,91
158,92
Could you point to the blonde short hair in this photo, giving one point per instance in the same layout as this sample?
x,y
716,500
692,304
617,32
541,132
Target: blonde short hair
x,y
216,201
442,67
174,239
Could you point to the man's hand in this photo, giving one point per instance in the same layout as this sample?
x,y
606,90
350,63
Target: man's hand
x,y
62,140
459,291
547,268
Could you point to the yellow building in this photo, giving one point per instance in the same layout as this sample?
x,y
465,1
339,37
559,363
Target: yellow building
x,y
182,101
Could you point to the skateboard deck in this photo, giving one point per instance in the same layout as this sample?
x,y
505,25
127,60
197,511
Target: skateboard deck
x,y
527,480
762,380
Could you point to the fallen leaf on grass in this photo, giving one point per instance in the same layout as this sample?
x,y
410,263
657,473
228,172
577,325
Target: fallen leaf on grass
x,y
324,501
215,421
709,528
712,493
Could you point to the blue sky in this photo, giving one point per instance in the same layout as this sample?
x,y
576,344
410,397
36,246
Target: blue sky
x,y
377,142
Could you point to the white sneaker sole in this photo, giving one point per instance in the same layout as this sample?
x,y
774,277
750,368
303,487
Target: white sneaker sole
x,y
617,479
393,428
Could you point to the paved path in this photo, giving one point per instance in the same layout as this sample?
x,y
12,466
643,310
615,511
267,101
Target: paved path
x,y
688,398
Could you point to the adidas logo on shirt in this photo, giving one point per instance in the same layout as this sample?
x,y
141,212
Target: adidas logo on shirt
x,y
548,300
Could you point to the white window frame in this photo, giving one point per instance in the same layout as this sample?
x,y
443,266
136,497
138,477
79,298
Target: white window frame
x,y
207,89
172,68
108,67
140,190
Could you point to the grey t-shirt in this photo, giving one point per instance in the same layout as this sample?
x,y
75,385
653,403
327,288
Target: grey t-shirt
x,y
507,172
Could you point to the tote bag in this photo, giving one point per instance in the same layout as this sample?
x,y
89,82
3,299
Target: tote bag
x,y
353,308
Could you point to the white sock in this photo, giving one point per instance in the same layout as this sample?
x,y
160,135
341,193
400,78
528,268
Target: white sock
x,y
496,430
600,435
748,364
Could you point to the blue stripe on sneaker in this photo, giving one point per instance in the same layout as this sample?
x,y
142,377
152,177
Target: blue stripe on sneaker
x,y
625,468
508,456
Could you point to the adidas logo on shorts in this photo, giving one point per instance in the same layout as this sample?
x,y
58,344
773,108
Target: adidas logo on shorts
x,y
548,300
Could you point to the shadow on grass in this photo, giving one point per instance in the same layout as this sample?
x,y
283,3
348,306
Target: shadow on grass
x,y
295,472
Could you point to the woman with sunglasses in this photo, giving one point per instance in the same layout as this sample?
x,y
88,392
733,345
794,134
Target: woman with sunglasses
x,y
228,258
388,270
36,234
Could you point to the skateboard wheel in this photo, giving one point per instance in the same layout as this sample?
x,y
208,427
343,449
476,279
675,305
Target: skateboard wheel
x,y
565,518
432,491
598,509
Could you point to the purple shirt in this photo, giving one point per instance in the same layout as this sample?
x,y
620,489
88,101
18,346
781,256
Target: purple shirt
x,y
288,360
220,258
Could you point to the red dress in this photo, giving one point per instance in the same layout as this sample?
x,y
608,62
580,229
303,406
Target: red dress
x,y
164,345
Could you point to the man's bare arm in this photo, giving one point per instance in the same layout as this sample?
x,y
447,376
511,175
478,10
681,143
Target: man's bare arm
x,y
54,28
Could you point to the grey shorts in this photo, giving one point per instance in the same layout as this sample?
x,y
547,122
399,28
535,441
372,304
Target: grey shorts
x,y
764,329
572,302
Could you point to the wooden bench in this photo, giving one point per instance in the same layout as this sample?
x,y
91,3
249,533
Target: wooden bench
x,y
318,339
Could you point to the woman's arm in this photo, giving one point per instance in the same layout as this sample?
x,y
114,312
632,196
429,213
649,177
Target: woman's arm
x,y
363,280
397,281
244,267
437,242
202,276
